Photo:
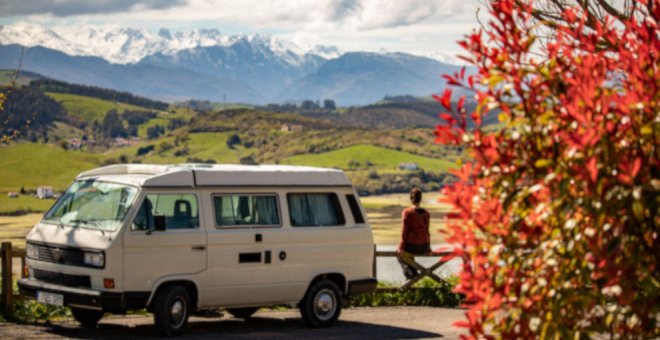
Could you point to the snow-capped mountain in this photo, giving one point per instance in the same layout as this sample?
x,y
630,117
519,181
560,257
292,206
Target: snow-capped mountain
x,y
121,45
206,64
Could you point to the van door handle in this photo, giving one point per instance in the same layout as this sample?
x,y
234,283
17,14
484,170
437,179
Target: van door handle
x,y
198,247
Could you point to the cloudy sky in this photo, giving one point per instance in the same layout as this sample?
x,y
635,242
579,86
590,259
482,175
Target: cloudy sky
x,y
414,26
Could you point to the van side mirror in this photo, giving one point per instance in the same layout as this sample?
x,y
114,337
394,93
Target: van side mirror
x,y
159,222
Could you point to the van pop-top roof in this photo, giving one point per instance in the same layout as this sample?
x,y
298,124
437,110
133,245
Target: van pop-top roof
x,y
192,175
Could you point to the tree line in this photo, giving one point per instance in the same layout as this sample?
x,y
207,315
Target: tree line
x,y
28,112
50,85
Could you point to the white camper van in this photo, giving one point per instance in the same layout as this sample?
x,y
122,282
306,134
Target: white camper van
x,y
176,239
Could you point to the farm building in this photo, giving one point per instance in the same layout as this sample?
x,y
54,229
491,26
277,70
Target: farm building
x,y
45,192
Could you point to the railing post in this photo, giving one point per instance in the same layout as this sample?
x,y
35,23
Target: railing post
x,y
7,279
374,265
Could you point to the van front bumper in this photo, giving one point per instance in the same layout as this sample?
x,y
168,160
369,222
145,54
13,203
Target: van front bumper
x,y
74,297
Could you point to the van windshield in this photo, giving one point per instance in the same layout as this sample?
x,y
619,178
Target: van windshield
x,y
92,204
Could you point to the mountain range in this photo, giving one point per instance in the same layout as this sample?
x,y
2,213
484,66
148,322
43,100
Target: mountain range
x,y
205,64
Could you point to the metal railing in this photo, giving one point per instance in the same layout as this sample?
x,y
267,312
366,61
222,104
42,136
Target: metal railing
x,y
422,271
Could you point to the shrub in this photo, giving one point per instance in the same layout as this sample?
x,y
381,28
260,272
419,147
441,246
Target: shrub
x,y
558,211
426,293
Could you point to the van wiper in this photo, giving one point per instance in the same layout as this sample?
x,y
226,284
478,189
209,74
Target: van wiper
x,y
78,221
92,222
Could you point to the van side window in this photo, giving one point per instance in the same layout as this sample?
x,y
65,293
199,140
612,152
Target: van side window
x,y
309,210
355,209
246,209
180,211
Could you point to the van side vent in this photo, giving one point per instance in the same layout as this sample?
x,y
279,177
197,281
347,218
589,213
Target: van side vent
x,y
249,258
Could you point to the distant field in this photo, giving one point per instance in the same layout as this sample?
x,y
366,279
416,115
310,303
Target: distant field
x,y
384,213
380,157
89,108
23,203
14,228
33,165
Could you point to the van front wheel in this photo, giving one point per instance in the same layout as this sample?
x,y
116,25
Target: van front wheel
x,y
171,310
322,304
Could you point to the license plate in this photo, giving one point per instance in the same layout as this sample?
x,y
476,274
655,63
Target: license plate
x,y
50,298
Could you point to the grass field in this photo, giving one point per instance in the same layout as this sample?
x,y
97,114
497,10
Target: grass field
x,y
33,165
60,130
380,157
384,213
14,228
89,108
25,203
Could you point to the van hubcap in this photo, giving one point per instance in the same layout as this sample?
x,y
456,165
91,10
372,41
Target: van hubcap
x,y
325,304
178,313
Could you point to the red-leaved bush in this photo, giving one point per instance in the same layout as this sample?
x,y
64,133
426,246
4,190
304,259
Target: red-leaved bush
x,y
558,210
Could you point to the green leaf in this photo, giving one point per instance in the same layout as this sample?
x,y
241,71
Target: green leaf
x,y
647,131
542,163
638,209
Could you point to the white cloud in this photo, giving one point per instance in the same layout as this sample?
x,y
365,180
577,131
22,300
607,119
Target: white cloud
x,y
414,26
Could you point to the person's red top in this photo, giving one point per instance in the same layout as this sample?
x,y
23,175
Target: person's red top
x,y
415,228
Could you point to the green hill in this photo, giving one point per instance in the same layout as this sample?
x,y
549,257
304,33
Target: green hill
x,y
89,109
33,165
204,146
381,158
23,78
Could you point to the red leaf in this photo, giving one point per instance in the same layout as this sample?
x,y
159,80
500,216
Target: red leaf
x,y
448,118
592,167
445,100
637,164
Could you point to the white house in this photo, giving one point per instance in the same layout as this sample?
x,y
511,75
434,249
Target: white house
x,y
45,192
408,166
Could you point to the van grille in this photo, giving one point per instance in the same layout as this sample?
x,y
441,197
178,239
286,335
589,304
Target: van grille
x,y
76,281
70,256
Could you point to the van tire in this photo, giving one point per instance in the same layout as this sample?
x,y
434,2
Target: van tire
x,y
321,305
171,310
87,317
242,313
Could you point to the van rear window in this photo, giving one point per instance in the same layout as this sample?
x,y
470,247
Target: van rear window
x,y
315,210
355,209
246,209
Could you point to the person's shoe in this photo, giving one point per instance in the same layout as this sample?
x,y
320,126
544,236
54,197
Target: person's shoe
x,y
409,273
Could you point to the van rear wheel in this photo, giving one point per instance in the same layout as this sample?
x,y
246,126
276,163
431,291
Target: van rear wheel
x,y
171,310
321,305
242,313
87,317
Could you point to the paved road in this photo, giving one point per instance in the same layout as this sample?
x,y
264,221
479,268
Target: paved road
x,y
355,323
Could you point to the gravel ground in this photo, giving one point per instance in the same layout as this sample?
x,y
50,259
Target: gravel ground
x,y
354,323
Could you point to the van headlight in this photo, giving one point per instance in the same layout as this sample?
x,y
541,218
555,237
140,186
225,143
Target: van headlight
x,y
32,251
94,259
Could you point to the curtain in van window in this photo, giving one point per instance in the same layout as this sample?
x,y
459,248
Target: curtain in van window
x,y
266,207
323,209
312,210
299,210
233,210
